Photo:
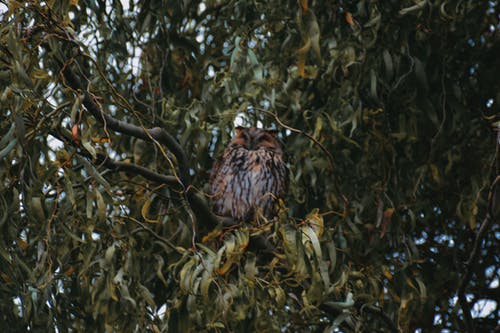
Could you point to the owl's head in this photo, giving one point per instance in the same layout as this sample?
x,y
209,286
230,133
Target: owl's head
x,y
253,138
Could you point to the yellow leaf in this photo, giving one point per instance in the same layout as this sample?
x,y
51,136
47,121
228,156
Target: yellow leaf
x,y
144,211
223,270
315,220
73,2
435,173
388,274
39,73
211,235
101,140
301,61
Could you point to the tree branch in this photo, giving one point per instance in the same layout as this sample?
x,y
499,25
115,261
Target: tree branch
x,y
379,312
491,216
197,203
153,134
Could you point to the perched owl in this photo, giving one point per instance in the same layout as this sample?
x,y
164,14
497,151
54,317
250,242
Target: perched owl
x,y
249,175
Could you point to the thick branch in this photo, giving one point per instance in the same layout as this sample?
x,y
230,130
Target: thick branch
x,y
197,203
137,170
158,134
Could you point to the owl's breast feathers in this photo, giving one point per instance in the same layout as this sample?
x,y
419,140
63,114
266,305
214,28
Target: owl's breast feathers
x,y
244,182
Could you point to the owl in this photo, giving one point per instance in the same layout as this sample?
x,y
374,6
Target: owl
x,y
249,175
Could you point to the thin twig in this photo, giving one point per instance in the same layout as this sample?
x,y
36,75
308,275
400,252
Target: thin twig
x,y
491,217
295,130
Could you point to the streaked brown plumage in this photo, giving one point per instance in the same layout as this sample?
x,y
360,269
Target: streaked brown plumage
x,y
249,175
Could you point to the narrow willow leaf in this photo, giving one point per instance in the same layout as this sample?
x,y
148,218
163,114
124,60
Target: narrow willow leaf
x,y
388,64
347,304
312,239
109,254
101,207
280,297
332,253
93,172
185,275
160,263
145,209
88,146
422,288
146,295
9,136
22,75
68,186
206,281
89,205
75,109
5,151
37,209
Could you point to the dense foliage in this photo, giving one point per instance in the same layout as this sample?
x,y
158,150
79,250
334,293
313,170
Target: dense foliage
x,y
387,111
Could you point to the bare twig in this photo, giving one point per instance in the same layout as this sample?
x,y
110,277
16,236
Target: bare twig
x,y
295,130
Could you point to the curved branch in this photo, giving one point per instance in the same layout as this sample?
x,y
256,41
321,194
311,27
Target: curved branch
x,y
196,201
156,133
138,170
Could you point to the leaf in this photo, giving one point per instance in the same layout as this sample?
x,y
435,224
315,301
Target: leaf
x,y
94,173
315,221
75,109
109,254
388,64
86,144
347,304
211,235
184,275
101,207
146,295
373,85
349,19
12,41
37,209
7,137
435,173
6,150
145,209
22,76
386,221
207,279
311,241
75,134
301,58
421,74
